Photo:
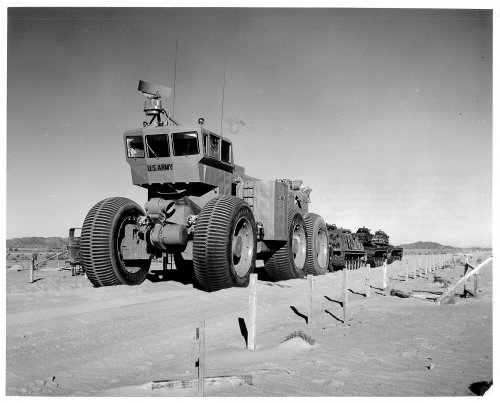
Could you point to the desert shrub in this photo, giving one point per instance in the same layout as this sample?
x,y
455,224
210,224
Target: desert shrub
x,y
301,334
478,260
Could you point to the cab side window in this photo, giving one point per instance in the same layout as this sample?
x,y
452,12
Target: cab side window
x,y
135,147
214,147
226,152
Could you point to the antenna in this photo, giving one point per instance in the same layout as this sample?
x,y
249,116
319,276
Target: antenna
x,y
223,90
175,76
153,106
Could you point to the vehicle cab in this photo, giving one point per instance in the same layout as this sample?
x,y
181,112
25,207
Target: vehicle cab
x,y
178,157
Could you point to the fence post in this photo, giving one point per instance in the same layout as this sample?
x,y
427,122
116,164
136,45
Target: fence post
x,y
201,360
310,293
407,268
346,297
32,270
476,285
252,311
384,275
367,281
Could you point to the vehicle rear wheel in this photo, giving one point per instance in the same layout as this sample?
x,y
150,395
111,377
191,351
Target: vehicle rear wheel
x,y
289,261
224,244
102,234
317,244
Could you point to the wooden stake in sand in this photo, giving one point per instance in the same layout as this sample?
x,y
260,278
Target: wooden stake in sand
x,y
310,295
32,270
346,296
407,268
476,285
367,281
252,314
384,275
201,361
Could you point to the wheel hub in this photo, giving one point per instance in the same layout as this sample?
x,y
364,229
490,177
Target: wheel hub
x,y
299,246
242,246
238,247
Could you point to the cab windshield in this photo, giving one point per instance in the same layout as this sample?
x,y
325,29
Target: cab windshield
x,y
185,143
157,145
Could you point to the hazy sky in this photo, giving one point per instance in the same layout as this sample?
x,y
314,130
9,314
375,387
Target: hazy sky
x,y
385,114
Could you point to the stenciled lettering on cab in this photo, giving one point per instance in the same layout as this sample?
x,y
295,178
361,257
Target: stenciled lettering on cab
x,y
160,167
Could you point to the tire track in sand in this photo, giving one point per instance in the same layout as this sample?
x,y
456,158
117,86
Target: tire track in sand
x,y
27,317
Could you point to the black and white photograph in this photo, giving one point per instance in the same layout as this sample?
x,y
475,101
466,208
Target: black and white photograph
x,y
281,200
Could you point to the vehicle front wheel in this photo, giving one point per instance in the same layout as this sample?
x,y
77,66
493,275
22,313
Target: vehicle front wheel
x,y
224,244
101,244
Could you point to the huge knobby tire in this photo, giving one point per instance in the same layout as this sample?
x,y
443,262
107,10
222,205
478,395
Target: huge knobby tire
x,y
224,244
100,244
337,262
289,261
317,245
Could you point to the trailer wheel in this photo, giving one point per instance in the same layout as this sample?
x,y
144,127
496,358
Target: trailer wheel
x,y
224,244
289,261
317,245
100,244
337,262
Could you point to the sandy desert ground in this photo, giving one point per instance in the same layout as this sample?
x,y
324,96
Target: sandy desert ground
x,y
66,338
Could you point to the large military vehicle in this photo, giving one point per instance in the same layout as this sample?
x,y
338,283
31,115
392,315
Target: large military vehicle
x,y
202,210
346,250
376,253
74,250
382,239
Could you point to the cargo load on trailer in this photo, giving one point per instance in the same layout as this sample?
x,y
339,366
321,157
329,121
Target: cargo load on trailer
x,y
346,250
394,252
375,253
202,210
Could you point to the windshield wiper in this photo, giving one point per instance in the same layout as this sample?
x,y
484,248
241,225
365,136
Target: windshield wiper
x,y
152,152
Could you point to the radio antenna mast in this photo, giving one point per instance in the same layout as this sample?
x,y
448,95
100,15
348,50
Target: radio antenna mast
x,y
175,76
223,90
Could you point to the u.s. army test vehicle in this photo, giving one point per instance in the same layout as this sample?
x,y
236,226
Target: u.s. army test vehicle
x,y
202,209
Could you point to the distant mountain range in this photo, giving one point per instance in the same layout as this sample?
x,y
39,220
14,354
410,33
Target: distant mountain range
x,y
61,243
435,245
37,242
